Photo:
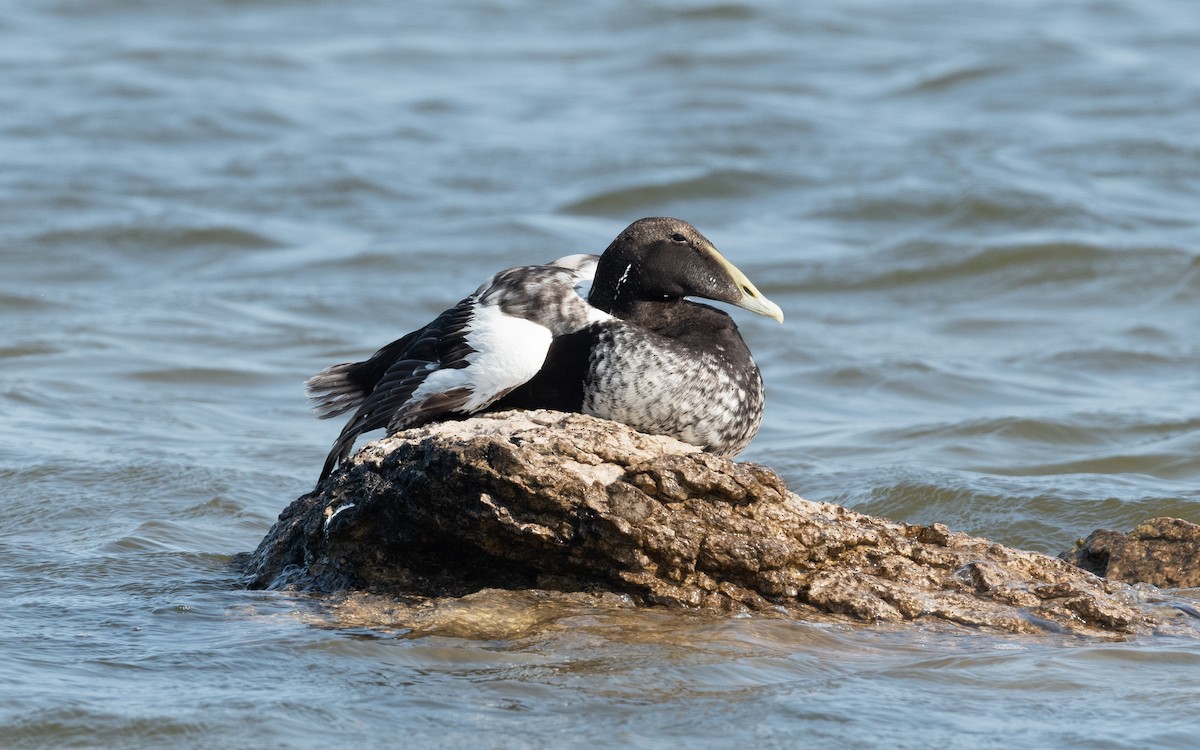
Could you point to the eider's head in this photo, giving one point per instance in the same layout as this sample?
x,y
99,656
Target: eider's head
x,y
668,259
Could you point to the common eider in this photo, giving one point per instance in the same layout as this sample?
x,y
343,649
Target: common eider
x,y
636,350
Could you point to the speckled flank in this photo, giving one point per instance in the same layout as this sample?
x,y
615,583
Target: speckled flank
x,y
701,396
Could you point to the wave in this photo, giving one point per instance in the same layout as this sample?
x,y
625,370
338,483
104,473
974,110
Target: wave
x,y
650,196
1085,268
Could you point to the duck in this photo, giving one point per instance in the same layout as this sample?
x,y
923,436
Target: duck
x,y
614,335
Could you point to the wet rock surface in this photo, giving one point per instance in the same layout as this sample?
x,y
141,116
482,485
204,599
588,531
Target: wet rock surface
x,y
568,503
1161,551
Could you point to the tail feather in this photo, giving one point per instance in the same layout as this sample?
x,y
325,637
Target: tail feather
x,y
333,391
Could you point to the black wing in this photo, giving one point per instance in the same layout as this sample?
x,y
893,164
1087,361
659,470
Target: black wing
x,y
339,388
402,366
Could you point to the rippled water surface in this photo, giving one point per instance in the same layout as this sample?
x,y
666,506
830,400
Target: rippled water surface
x,y
980,218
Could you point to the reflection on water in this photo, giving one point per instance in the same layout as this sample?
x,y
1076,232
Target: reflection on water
x,y
979,220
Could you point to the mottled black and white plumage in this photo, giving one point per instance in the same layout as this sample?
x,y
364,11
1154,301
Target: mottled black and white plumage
x,y
634,351
464,360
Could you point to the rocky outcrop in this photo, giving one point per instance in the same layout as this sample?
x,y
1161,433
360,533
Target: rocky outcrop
x,y
569,503
1162,551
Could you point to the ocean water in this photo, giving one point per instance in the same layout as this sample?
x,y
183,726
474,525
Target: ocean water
x,y
980,219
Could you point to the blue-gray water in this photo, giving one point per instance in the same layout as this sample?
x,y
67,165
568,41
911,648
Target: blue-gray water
x,y
980,218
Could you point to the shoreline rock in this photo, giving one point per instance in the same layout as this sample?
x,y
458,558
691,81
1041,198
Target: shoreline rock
x,y
566,502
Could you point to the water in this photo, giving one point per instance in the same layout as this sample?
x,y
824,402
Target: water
x,y
979,218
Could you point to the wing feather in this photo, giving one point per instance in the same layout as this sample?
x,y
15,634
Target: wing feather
x,y
339,388
465,360
439,345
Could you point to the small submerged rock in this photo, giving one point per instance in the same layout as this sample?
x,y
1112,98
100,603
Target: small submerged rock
x,y
1161,551
539,500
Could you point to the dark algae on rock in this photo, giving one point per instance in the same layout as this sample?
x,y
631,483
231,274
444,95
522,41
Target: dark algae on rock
x,y
539,500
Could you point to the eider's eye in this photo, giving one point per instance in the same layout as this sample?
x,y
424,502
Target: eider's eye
x,y
677,237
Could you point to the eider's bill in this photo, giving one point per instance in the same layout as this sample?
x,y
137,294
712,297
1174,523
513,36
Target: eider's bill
x,y
751,299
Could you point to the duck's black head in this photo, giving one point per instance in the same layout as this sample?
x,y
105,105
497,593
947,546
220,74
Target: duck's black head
x,y
663,259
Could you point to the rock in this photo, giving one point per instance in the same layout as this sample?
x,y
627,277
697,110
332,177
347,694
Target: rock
x,y
565,502
1163,552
